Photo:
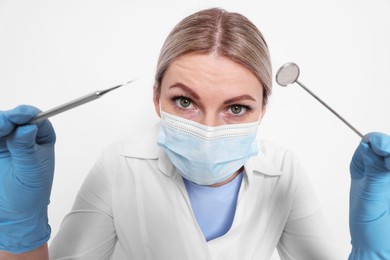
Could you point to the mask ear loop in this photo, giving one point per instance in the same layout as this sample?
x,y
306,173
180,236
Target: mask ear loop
x,y
160,108
263,110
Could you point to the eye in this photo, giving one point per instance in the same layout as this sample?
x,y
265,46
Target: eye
x,y
237,109
183,102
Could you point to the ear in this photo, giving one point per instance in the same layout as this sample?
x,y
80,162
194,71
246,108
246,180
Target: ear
x,y
156,101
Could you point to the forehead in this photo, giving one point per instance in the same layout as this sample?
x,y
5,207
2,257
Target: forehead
x,y
211,73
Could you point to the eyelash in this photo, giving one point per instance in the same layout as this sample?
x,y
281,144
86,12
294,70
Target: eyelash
x,y
247,109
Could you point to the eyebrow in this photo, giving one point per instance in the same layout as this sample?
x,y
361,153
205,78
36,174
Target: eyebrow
x,y
239,98
192,93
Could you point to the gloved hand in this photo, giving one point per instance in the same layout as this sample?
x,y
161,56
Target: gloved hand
x,y
369,216
26,175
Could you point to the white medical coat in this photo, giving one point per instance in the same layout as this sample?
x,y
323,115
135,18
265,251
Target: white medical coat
x,y
134,195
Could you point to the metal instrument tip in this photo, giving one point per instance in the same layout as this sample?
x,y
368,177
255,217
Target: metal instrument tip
x,y
105,91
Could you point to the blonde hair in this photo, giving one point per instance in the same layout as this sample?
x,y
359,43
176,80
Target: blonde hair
x,y
227,34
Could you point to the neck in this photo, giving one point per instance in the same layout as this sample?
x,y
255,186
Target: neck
x,y
219,184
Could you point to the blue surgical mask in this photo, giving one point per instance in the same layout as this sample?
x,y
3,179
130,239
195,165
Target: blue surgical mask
x,y
206,155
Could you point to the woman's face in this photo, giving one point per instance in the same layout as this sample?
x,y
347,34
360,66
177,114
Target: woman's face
x,y
211,90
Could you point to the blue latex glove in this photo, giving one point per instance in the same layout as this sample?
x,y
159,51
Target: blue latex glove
x,y
369,216
26,175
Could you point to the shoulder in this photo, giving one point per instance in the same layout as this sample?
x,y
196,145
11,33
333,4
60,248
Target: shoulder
x,y
279,167
283,158
275,160
142,146
124,158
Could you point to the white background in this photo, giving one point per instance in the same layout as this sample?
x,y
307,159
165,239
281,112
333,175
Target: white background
x,y
54,51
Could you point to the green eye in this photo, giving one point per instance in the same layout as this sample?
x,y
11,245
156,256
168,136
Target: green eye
x,y
236,109
184,102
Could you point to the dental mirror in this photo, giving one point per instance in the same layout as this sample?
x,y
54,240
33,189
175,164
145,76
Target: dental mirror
x,y
288,74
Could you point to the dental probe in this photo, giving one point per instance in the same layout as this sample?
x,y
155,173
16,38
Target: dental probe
x,y
74,103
